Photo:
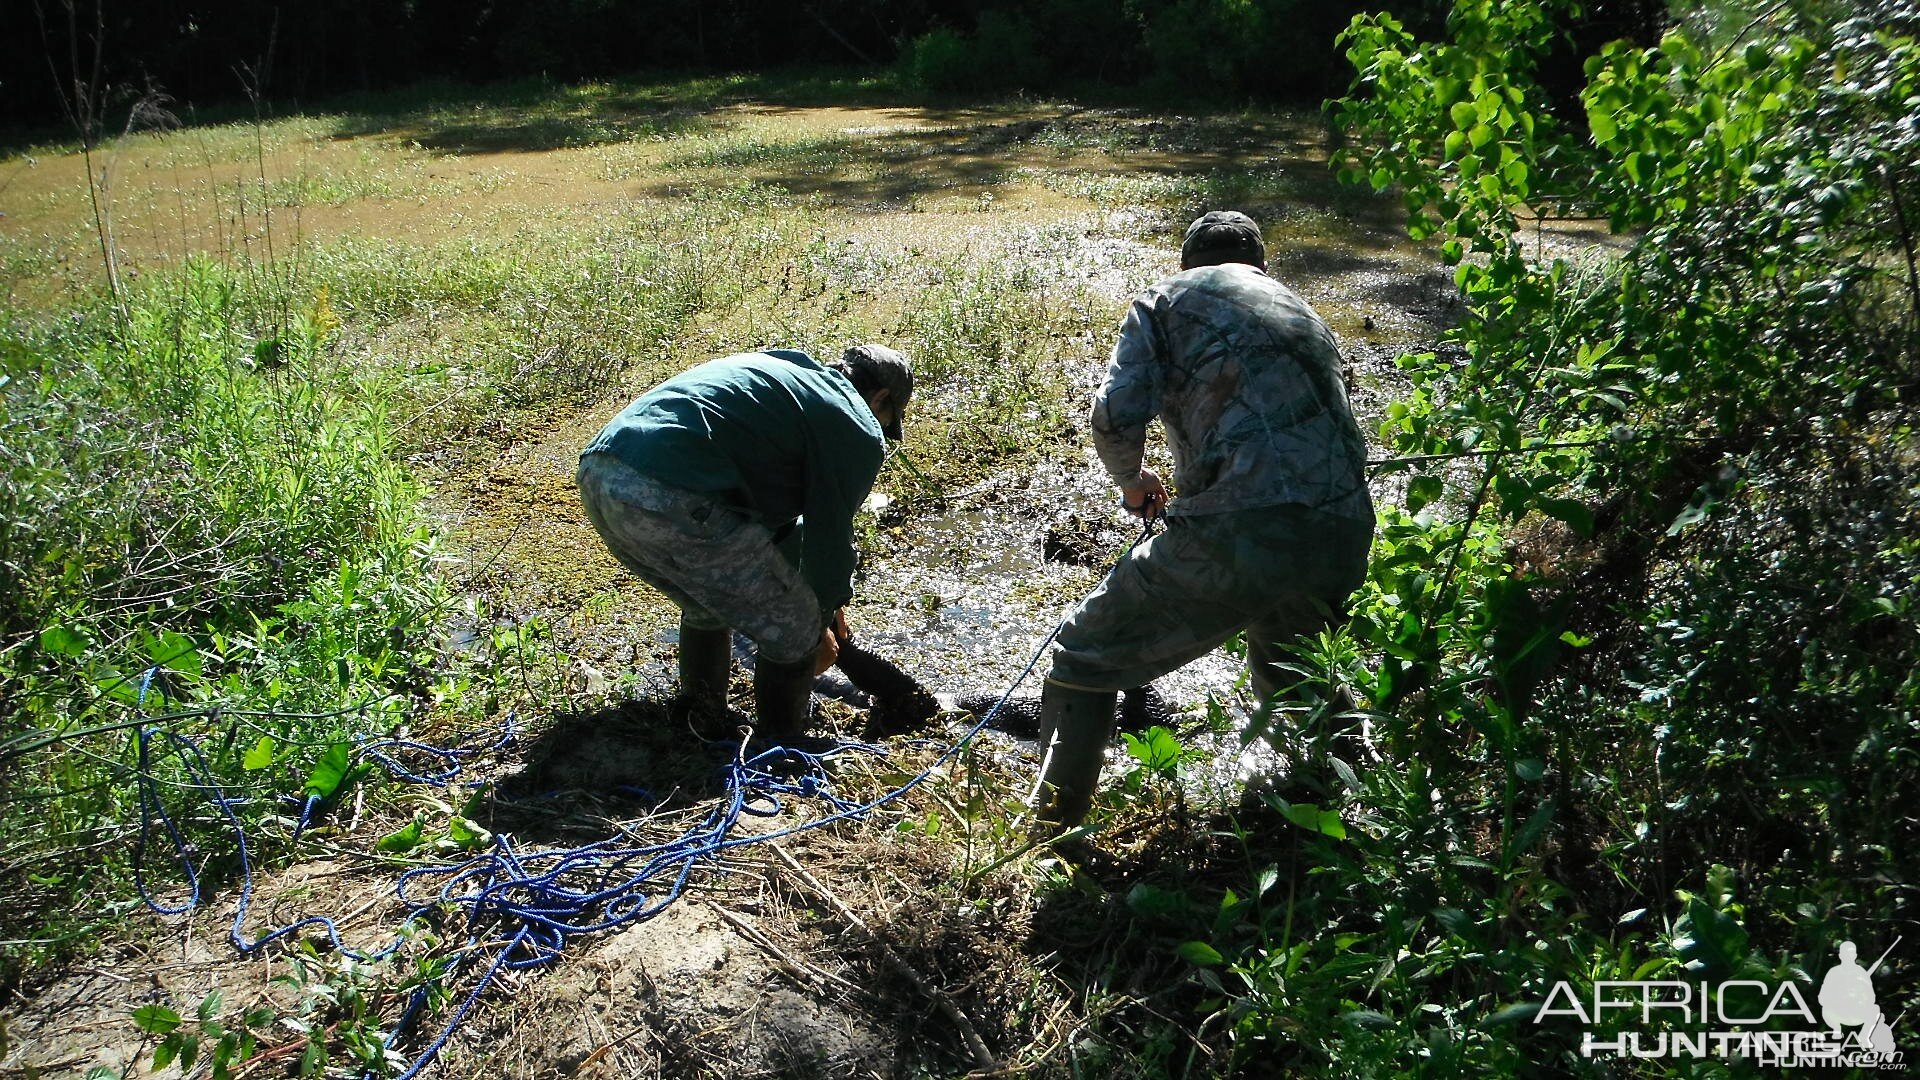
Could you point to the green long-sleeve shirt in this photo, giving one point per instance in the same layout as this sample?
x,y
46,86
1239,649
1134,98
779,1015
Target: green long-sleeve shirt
x,y
777,433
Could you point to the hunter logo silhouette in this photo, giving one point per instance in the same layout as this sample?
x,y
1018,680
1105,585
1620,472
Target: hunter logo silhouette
x,y
1847,1000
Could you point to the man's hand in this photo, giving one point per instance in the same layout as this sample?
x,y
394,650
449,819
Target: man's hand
x,y
828,653
1146,497
835,632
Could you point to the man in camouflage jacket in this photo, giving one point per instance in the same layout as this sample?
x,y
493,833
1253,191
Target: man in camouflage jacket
x,y
1271,528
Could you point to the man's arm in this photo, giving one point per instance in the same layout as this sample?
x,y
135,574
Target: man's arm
x,y
1127,399
837,483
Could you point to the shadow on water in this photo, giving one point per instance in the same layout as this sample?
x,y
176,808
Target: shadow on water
x,y
1321,260
1431,296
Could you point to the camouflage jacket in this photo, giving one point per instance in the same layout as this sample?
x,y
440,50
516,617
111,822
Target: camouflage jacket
x,y
1246,378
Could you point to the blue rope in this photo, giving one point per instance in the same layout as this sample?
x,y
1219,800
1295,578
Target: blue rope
x,y
546,897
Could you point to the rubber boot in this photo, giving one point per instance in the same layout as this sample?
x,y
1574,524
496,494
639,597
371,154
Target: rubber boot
x,y
1074,728
783,698
706,662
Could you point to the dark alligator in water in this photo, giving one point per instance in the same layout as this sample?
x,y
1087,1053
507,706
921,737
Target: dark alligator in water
x,y
899,704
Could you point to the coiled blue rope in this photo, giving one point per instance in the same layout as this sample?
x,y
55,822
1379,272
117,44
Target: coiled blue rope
x,y
543,898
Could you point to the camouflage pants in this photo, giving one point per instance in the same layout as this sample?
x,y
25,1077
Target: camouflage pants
x,y
1280,573
723,568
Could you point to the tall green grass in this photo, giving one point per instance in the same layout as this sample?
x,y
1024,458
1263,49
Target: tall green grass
x,y
200,506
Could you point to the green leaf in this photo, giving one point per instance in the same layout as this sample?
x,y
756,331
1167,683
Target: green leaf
x,y
329,774
175,652
189,1050
1530,769
1652,967
1157,748
1201,954
1515,174
468,834
1313,819
210,1006
1713,943
1456,144
260,756
1513,1014
1422,490
1600,122
1695,513
476,801
1463,114
1535,827
1572,511
63,640
404,839
1331,825
156,1019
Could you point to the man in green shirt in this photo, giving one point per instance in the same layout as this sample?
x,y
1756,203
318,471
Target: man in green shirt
x,y
731,488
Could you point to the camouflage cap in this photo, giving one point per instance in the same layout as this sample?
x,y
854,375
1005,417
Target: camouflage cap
x,y
879,366
1220,236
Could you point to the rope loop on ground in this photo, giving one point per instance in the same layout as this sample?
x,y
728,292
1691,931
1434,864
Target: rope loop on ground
x,y
527,906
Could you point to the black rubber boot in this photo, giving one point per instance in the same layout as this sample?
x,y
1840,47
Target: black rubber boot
x,y
783,698
706,662
1074,728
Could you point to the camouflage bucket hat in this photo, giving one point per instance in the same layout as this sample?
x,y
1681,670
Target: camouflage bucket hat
x,y
1222,236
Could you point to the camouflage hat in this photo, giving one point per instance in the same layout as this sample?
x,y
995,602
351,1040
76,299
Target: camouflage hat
x,y
881,367
1221,236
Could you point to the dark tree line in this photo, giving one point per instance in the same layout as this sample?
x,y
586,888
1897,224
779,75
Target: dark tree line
x,y
208,53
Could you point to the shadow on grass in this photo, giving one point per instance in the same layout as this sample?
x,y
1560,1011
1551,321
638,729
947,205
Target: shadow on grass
x,y
1157,880
1271,166
532,115
605,765
1268,162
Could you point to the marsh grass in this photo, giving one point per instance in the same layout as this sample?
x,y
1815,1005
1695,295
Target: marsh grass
x,y
214,490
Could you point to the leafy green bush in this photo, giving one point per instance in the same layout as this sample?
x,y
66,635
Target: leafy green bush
x,y
201,507
1002,53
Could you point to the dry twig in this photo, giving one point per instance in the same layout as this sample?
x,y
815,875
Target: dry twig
x,y
800,969
975,1044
